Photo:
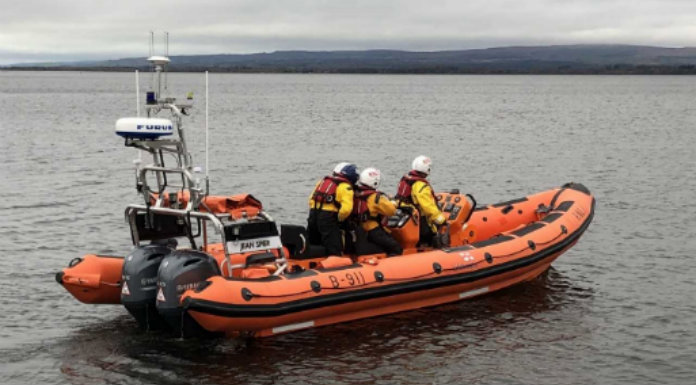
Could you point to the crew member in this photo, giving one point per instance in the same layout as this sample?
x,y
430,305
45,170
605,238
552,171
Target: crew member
x,y
415,190
330,204
369,207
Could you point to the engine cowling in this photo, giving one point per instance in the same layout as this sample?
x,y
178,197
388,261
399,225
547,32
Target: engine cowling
x,y
180,271
139,288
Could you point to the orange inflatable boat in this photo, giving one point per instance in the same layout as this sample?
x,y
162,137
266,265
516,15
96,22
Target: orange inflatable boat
x,y
501,245
490,248
220,265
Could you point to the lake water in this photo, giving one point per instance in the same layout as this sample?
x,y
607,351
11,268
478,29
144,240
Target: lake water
x,y
617,308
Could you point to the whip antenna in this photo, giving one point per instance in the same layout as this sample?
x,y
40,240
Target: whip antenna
x,y
137,104
207,184
137,93
166,54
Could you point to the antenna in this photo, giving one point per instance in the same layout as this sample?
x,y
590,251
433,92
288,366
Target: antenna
x,y
159,64
166,54
152,75
137,93
207,184
137,104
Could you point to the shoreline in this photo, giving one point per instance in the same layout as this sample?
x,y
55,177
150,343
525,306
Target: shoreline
x,y
612,70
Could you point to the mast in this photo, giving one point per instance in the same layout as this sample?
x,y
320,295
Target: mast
x,y
167,138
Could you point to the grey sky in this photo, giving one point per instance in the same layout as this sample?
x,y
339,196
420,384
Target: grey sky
x,y
32,30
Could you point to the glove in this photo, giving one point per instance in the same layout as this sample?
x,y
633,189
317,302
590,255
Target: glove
x,y
439,220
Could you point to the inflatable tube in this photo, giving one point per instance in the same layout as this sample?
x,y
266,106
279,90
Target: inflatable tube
x,y
513,241
94,279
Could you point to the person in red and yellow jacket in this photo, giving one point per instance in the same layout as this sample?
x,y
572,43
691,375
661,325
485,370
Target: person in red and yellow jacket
x,y
369,207
330,204
415,190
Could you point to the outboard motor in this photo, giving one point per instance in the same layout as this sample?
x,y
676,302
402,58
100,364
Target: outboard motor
x,y
139,276
180,271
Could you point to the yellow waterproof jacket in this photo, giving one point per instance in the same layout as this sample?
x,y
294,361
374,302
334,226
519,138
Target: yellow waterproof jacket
x,y
423,197
343,204
376,207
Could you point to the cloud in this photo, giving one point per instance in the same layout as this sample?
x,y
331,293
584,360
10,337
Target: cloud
x,y
88,29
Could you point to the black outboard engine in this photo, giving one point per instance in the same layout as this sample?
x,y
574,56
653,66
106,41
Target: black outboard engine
x,y
139,277
180,271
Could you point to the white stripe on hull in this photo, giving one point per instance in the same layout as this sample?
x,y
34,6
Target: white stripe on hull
x,y
291,327
474,292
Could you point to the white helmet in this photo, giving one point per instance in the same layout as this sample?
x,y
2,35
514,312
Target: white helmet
x,y
339,167
422,164
370,177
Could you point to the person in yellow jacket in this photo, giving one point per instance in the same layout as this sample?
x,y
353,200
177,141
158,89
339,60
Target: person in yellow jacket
x,y
415,190
369,207
330,204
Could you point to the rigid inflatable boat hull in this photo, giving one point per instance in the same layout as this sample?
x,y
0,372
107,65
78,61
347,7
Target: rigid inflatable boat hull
x,y
325,296
368,308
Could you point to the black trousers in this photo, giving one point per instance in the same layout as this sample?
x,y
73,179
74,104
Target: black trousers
x,y
323,229
376,241
427,236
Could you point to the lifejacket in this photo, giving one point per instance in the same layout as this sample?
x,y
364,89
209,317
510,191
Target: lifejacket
x,y
403,192
361,211
325,193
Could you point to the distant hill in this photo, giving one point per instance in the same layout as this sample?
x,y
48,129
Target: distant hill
x,y
538,59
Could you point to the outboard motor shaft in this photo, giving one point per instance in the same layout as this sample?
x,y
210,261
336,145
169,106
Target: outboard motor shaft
x,y
139,276
180,271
